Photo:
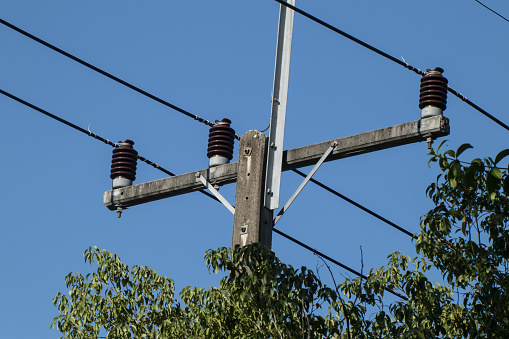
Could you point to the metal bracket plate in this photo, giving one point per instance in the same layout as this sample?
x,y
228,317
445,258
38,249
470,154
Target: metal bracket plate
x,y
216,193
305,181
279,100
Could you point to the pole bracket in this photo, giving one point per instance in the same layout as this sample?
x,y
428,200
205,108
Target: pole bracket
x,y
331,148
214,191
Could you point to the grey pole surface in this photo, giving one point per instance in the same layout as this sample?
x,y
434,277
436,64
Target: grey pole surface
x,y
279,100
252,222
398,135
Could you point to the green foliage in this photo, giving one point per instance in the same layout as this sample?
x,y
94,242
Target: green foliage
x,y
464,236
126,303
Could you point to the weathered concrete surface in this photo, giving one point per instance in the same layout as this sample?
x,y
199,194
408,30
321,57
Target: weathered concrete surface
x,y
393,136
252,222
169,187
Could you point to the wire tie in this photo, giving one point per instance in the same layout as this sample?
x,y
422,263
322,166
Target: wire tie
x,y
407,66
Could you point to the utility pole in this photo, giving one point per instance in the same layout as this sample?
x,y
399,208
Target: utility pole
x,y
262,159
252,221
246,172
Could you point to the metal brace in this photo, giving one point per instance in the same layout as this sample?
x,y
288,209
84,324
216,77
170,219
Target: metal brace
x,y
214,191
309,176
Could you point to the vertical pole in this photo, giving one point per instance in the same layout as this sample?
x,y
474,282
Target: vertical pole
x,y
252,221
279,99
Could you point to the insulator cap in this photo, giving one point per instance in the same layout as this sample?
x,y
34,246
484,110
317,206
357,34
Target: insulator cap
x,y
123,163
221,140
433,89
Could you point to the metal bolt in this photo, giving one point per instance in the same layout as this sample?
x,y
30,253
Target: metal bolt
x,y
268,191
430,142
119,211
272,144
198,174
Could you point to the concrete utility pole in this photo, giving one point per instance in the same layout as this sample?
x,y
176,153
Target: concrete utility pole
x,y
262,159
252,221
249,171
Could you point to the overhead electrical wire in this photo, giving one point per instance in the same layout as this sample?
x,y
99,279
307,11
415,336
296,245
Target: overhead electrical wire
x,y
480,3
365,209
208,123
390,57
323,255
109,75
93,135
110,143
187,113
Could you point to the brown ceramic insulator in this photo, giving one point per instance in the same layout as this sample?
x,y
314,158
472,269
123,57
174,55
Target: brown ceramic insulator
x,y
433,89
123,163
221,139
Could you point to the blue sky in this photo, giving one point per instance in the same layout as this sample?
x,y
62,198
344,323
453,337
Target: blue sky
x,y
216,60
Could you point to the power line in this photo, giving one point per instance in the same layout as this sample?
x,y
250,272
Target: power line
x,y
390,57
208,123
109,75
354,39
309,248
17,29
110,143
365,209
480,3
93,135
404,64
65,122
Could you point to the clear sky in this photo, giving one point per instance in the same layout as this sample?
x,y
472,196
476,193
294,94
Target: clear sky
x,y
216,59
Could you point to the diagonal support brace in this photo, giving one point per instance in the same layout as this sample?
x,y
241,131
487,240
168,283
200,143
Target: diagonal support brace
x,y
306,180
216,193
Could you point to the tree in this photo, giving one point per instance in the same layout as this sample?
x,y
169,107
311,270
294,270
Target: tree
x,y
465,236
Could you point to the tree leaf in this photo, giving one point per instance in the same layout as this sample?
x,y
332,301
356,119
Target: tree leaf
x,y
496,173
462,149
441,143
506,185
455,213
452,182
456,169
501,156
450,152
